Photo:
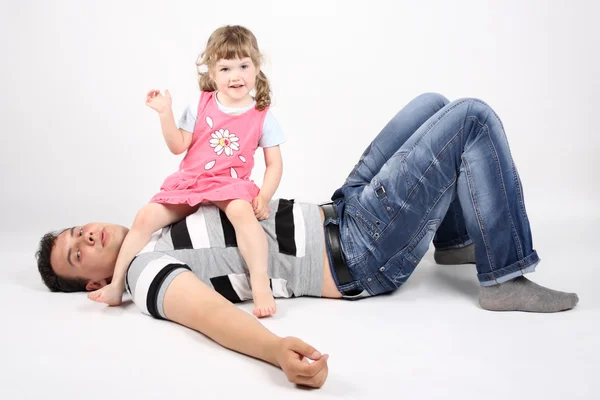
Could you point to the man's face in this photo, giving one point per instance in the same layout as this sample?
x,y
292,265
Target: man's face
x,y
88,252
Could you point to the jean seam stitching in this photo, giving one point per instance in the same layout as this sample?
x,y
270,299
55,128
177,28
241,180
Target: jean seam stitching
x,y
477,214
367,151
414,189
426,221
434,162
519,193
503,187
433,123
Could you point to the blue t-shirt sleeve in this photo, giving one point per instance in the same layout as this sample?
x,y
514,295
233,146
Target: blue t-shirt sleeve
x,y
272,134
189,116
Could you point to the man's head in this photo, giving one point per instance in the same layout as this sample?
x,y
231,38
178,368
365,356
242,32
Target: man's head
x,y
80,258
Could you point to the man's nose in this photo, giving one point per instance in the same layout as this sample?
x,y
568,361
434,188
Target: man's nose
x,y
89,238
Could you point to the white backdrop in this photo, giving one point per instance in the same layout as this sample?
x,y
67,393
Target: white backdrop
x,y
79,144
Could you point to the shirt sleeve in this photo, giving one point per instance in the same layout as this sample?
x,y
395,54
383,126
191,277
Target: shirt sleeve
x,y
272,134
148,278
187,122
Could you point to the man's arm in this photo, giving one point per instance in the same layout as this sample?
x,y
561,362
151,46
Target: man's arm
x,y
189,302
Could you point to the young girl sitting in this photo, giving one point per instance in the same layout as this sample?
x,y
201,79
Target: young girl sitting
x,y
220,132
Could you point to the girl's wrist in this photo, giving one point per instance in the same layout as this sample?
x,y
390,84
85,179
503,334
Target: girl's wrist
x,y
264,197
165,113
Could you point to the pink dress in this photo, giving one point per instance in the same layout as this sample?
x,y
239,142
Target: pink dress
x,y
220,158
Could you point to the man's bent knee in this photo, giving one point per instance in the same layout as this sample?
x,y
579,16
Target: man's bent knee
x,y
434,98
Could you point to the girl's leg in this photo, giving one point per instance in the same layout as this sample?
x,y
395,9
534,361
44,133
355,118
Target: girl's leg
x,y
149,219
252,242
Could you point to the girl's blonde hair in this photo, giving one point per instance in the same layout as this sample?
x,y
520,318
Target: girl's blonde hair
x,y
229,42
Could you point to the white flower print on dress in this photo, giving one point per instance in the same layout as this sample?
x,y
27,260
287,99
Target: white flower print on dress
x,y
224,141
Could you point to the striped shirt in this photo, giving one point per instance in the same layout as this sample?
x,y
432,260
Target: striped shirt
x,y
205,244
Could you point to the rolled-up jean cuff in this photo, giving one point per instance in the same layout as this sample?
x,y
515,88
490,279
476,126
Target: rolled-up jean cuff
x,y
454,244
523,267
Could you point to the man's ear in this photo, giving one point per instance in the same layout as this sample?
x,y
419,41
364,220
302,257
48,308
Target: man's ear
x,y
95,285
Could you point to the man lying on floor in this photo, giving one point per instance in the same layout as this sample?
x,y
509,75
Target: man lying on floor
x,y
438,170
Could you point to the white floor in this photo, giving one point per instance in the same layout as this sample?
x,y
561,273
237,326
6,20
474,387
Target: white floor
x,y
428,340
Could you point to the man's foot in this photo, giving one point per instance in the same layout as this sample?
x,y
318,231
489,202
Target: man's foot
x,y
463,255
521,294
110,294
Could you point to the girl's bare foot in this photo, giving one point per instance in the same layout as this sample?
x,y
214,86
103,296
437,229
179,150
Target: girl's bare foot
x,y
264,303
110,294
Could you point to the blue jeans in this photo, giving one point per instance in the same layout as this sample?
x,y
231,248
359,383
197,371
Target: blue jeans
x,y
438,171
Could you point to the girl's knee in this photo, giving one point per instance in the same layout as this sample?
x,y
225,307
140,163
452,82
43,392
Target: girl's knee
x,y
238,210
146,215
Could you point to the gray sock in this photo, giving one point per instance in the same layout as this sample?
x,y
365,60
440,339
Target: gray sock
x,y
463,255
521,294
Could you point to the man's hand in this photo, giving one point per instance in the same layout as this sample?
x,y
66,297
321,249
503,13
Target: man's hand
x,y
158,102
110,294
261,207
293,355
192,303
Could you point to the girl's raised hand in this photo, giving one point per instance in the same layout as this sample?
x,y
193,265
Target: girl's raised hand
x,y
159,103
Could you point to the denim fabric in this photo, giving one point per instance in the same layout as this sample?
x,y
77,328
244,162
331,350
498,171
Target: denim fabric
x,y
439,172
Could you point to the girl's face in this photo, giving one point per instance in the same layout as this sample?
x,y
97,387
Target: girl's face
x,y
235,79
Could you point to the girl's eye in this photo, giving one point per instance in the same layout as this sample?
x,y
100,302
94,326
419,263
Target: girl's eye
x,y
244,66
78,255
81,232
224,69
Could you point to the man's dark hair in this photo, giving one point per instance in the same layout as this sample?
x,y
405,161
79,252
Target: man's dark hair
x,y
54,282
